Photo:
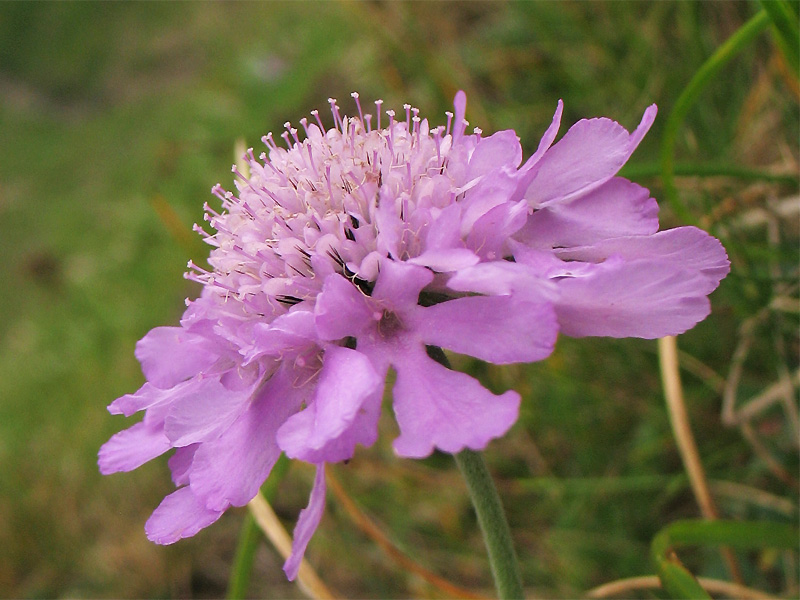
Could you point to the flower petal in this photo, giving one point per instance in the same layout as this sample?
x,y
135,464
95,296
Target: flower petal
x,y
202,412
449,410
617,208
445,260
180,464
642,298
131,448
170,355
180,515
499,329
346,391
146,396
400,283
230,469
499,150
588,155
307,524
340,310
689,248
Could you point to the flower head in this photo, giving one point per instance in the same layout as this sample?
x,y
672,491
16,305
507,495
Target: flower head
x,y
369,246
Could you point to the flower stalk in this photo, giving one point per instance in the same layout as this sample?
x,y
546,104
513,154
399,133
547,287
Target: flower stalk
x,y
492,520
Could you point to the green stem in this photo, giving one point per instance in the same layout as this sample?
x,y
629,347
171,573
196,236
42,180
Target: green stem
x,y
251,535
489,509
496,534
730,48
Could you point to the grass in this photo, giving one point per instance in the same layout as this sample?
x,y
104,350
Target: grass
x,y
116,119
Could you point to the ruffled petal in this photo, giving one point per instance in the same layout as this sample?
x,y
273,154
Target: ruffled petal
x,y
588,155
644,298
502,278
170,355
146,396
202,412
230,469
340,310
501,149
499,329
490,233
449,410
346,392
688,248
617,208
131,448
180,515
180,464
307,524
400,283
446,260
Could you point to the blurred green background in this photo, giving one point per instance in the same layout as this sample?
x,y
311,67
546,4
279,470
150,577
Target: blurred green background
x,y
117,118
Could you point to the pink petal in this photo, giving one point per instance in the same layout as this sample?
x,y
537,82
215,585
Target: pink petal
x,y
231,469
643,298
146,396
529,170
170,355
180,515
588,155
400,283
341,309
617,208
180,464
502,278
499,329
501,149
202,412
491,232
346,391
445,260
449,410
689,248
131,448
307,524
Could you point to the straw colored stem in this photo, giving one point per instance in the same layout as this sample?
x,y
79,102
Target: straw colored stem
x,y
365,524
623,587
307,579
679,419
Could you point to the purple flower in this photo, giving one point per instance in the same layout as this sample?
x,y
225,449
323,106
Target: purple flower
x,y
369,246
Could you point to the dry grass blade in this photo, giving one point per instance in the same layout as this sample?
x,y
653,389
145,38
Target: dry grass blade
x,y
671,378
307,579
364,523
623,587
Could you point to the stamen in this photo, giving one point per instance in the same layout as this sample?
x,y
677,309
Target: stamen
x,y
337,119
304,123
358,104
378,104
269,141
315,114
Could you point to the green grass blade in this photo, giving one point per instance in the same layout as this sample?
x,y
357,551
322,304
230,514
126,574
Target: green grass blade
x,y
786,29
730,48
678,581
